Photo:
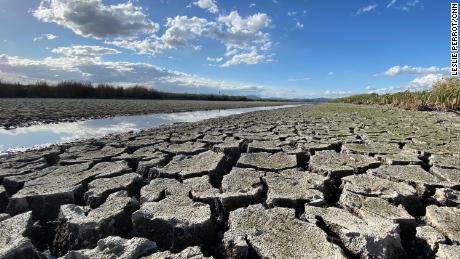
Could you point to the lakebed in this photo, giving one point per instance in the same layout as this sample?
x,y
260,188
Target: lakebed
x,y
320,181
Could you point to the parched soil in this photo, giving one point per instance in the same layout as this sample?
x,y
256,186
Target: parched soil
x,y
20,112
322,181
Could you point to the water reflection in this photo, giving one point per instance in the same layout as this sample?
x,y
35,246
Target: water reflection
x,y
46,134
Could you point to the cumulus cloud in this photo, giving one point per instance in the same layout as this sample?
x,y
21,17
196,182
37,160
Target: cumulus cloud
x,y
396,70
426,81
180,30
95,69
209,5
47,36
299,25
91,18
366,9
250,58
84,51
243,38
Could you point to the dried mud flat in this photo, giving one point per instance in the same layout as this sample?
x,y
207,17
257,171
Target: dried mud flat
x,y
322,181
19,112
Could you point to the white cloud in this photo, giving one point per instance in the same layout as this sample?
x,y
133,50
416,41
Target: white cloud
x,y
298,79
336,94
366,9
396,70
47,36
292,13
299,25
331,73
180,31
426,81
243,38
408,5
368,87
84,51
91,18
217,60
252,5
210,5
250,58
403,5
391,3
238,33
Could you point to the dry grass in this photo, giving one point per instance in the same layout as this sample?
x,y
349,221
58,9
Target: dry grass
x,y
444,96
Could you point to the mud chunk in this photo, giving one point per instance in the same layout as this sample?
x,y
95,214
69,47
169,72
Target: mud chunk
x,y
43,195
109,169
265,146
103,154
174,222
155,160
193,252
207,163
333,164
187,148
450,175
267,161
445,161
292,188
99,189
446,220
213,139
14,242
363,238
275,233
116,247
184,137
241,187
371,148
428,239
372,186
315,146
201,189
405,157
80,227
160,188
373,208
411,174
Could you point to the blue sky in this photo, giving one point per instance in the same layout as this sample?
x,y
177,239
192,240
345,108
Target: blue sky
x,y
270,48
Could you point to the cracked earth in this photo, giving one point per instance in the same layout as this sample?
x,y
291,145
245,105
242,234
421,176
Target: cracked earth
x,y
321,181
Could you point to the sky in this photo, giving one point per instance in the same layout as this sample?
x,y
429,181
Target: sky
x,y
268,48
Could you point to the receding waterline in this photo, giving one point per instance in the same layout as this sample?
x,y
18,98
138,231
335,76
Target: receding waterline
x,y
47,134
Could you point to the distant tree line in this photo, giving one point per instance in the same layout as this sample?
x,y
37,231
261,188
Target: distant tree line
x,y
71,89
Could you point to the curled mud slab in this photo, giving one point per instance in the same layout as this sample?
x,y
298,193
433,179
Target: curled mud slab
x,y
323,181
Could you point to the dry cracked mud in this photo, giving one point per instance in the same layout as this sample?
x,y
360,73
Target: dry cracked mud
x,y
322,181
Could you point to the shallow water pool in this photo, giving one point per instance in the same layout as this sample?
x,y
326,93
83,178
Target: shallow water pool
x,y
46,134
